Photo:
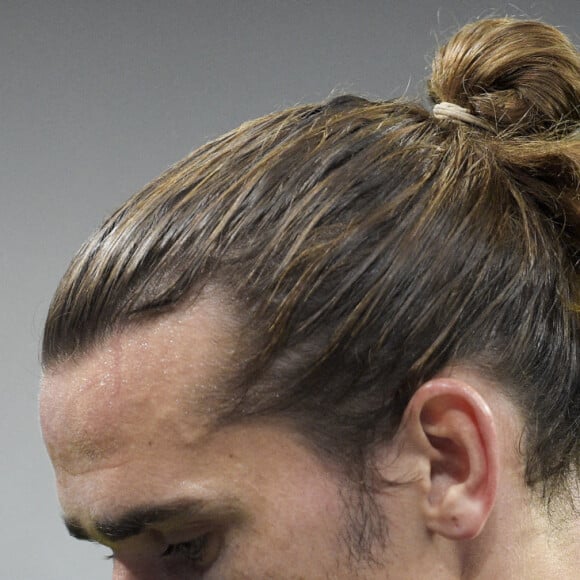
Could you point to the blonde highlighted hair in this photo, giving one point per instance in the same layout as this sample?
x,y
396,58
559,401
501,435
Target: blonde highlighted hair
x,y
367,245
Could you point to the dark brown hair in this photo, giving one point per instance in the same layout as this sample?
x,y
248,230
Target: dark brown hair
x,y
368,245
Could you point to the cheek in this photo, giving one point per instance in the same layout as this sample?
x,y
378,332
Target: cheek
x,y
310,501
298,544
296,531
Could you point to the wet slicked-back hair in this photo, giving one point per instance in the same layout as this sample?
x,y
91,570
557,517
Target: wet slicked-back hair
x,y
368,245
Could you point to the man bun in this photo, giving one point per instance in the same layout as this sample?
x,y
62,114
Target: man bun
x,y
519,76
370,246
522,80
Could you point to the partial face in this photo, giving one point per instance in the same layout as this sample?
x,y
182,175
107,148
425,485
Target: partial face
x,y
138,469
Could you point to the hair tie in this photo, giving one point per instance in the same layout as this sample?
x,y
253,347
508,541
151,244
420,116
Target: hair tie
x,y
453,112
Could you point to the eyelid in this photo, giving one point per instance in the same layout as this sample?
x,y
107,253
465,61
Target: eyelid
x,y
186,531
173,533
171,549
202,557
201,552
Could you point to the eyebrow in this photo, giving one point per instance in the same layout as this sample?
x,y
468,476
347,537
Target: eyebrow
x,y
134,521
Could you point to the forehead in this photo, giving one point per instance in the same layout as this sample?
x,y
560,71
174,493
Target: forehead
x,y
152,379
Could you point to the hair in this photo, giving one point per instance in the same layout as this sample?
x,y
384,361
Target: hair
x,y
369,245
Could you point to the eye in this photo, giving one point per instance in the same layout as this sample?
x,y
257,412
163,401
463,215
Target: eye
x,y
201,552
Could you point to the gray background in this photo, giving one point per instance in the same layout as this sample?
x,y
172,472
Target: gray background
x,y
96,99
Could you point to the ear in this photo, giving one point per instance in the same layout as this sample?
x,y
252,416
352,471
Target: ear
x,y
455,432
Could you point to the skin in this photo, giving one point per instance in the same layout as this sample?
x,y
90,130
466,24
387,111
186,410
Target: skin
x,y
127,427
138,468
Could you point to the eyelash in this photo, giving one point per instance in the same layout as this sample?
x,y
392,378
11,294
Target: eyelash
x,y
191,550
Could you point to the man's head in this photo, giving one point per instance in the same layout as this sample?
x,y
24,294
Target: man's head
x,y
328,331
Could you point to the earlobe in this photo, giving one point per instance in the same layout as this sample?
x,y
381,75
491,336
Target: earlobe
x,y
455,428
